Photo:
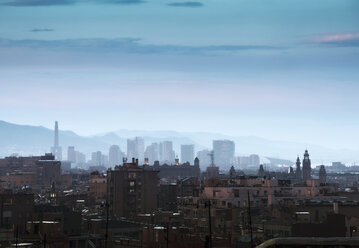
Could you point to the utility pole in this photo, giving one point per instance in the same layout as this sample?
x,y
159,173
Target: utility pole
x,y
107,217
208,204
250,219
167,235
16,235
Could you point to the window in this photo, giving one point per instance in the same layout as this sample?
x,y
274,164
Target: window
x,y
236,192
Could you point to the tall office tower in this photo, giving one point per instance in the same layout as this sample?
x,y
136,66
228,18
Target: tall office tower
x,y
115,155
322,174
223,151
204,158
298,171
152,153
80,157
187,153
136,149
307,169
166,152
56,150
96,158
132,190
71,154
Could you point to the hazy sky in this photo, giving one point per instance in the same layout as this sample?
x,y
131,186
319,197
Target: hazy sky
x,y
283,70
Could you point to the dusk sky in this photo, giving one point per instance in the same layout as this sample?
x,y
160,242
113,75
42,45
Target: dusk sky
x,y
281,70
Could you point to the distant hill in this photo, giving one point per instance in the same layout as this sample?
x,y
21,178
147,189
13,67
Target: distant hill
x,y
36,140
25,140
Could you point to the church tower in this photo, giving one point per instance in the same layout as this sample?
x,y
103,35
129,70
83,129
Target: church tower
x,y
322,174
307,169
298,171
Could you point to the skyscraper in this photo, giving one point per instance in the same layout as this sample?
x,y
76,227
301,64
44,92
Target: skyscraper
x,y
204,158
166,152
187,153
56,150
71,154
223,151
152,153
307,169
136,149
115,155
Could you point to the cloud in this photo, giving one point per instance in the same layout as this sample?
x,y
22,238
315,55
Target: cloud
x,y
42,30
38,2
130,45
125,2
337,39
186,4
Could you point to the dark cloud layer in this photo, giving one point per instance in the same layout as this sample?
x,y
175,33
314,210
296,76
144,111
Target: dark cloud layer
x,y
35,30
38,2
186,4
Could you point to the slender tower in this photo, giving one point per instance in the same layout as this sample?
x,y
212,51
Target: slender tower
x,y
56,150
298,171
56,139
307,169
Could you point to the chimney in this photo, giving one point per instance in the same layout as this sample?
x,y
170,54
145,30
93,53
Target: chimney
x,y
133,160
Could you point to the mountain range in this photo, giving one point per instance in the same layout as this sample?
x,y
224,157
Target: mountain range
x,y
35,140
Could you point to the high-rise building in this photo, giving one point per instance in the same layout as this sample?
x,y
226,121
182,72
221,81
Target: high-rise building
x,y
80,157
56,149
71,154
115,155
132,190
152,153
223,151
307,169
96,158
204,158
136,149
187,153
166,152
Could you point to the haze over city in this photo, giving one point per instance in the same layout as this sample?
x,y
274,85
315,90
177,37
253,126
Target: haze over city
x,y
280,70
179,123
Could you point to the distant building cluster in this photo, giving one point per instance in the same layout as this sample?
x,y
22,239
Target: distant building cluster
x,y
157,199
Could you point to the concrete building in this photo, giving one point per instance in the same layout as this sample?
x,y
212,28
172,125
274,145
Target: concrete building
x,y
115,156
71,154
204,158
223,151
187,153
136,149
166,152
152,153
132,190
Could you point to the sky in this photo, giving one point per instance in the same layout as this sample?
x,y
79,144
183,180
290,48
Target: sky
x,y
281,70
